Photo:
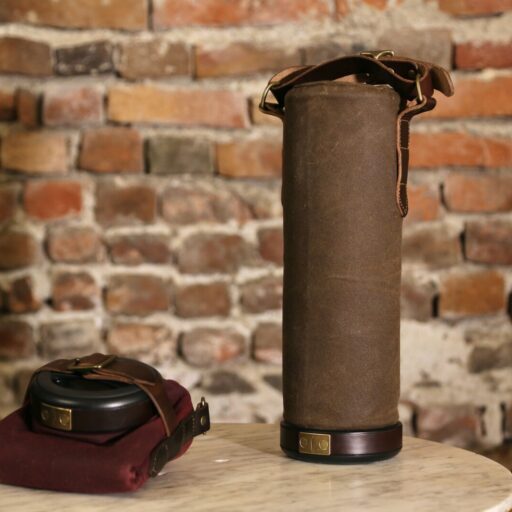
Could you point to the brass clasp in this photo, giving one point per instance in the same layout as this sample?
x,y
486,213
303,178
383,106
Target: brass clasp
x,y
314,444
377,54
78,366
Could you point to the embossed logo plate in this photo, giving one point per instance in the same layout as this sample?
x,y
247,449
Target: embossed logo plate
x,y
314,444
55,417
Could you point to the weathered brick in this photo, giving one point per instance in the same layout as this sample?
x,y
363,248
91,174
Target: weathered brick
x,y
142,341
68,339
125,205
432,45
474,7
249,159
263,198
222,382
176,13
191,203
262,294
110,149
28,104
474,55
7,105
74,244
436,245
490,358
115,14
74,291
464,192
451,423
156,104
472,293
49,200
417,298
21,296
210,253
8,202
137,295
459,149
476,97
84,59
16,340
36,152
267,343
156,58
177,155
23,56
205,347
242,58
197,300
137,249
72,106
424,203
271,244
17,250
489,241
381,5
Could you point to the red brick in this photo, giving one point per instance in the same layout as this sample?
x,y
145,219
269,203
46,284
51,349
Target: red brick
x,y
417,298
475,7
267,343
137,295
262,295
242,59
263,198
381,5
459,149
74,291
8,202
17,250
24,57
476,97
205,347
156,104
156,58
199,300
271,244
190,204
68,339
115,14
175,13
74,245
72,107
16,340
91,58
137,249
249,159
21,296
7,105
36,152
49,200
489,241
211,253
28,108
483,55
472,293
478,192
424,203
125,205
111,149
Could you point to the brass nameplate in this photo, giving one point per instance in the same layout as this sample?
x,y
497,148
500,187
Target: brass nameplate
x,y
55,417
314,444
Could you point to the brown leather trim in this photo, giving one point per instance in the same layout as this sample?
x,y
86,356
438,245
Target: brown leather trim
x,y
348,444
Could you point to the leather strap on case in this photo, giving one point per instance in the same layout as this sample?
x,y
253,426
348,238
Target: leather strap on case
x,y
414,80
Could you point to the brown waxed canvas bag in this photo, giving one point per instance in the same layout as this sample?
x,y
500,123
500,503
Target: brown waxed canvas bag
x,y
345,162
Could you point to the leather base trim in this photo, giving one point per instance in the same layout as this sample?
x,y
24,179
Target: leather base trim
x,y
345,447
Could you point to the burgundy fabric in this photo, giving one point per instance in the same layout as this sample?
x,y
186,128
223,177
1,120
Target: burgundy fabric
x,y
91,464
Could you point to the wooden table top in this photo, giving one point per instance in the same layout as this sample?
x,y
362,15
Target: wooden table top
x,y
241,467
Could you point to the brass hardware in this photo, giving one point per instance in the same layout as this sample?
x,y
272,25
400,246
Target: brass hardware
x,y
56,417
78,366
203,420
377,54
418,89
314,444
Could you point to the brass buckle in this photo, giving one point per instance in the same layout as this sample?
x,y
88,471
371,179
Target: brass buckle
x,y
419,93
78,366
377,54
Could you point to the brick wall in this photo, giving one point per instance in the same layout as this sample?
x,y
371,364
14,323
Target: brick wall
x,y
139,195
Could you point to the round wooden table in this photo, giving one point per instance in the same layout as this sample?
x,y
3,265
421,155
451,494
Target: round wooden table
x,y
241,468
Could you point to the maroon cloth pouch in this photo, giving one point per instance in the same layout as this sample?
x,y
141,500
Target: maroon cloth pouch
x,y
96,463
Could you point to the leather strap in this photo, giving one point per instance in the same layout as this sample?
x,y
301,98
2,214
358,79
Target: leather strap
x,y
413,80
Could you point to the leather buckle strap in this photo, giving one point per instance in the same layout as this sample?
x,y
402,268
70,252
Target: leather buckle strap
x,y
90,363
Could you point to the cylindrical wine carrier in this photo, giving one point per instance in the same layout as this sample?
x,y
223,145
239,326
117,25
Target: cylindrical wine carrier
x,y
345,152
